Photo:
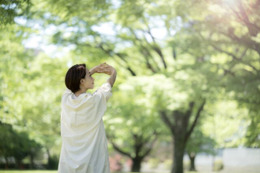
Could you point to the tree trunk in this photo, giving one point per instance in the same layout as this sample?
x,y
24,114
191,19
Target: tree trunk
x,y
48,153
31,161
178,153
142,145
18,163
48,158
6,163
192,157
136,166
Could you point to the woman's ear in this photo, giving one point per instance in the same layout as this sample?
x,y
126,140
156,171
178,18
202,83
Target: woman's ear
x,y
81,81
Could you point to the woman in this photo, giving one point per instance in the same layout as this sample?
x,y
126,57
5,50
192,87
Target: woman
x,y
84,144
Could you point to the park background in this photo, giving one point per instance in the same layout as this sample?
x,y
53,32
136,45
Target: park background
x,y
187,93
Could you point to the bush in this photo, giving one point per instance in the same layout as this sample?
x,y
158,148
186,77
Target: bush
x,y
16,145
218,165
53,162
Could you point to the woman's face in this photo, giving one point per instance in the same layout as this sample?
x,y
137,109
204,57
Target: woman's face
x,y
88,81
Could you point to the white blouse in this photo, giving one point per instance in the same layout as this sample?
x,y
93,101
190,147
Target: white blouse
x,y
84,143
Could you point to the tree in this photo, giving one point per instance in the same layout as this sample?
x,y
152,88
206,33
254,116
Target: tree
x,y
132,125
231,29
198,143
158,97
29,98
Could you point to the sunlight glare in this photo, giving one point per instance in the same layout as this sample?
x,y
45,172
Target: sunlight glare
x,y
230,2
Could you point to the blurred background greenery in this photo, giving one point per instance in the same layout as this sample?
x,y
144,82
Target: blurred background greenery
x,y
188,78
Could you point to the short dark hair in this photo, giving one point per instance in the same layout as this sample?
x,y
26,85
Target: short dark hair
x,y
74,75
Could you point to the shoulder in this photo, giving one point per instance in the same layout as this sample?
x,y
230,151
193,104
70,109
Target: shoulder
x,y
105,87
69,97
103,92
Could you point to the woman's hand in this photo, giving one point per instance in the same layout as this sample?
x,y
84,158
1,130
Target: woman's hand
x,y
107,69
102,68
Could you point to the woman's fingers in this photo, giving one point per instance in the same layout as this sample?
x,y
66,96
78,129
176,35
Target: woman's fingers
x,y
104,68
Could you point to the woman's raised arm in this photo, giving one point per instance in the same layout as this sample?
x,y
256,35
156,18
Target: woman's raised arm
x,y
107,69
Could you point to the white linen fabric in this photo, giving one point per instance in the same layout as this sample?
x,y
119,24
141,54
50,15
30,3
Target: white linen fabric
x,y
84,143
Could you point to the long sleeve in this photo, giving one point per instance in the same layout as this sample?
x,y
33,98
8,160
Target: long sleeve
x,y
104,92
84,143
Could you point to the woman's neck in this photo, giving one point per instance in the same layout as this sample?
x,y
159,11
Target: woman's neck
x,y
81,91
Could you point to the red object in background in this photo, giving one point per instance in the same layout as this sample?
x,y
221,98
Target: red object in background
x,y
115,164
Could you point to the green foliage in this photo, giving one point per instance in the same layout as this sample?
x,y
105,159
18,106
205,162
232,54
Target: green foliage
x,y
16,144
75,8
31,86
131,107
9,9
53,162
226,123
200,143
252,134
231,28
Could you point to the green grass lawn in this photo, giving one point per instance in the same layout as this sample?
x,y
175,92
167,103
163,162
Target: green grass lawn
x,y
33,171
28,171
39,171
